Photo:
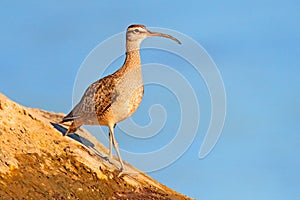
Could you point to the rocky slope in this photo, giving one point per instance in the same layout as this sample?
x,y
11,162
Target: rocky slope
x,y
37,162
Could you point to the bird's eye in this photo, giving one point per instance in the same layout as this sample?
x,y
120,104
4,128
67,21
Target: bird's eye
x,y
136,30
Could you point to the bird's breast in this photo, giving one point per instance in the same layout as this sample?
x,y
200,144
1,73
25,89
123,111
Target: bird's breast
x,y
129,93
135,100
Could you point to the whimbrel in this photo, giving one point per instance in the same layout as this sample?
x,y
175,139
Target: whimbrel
x,y
117,96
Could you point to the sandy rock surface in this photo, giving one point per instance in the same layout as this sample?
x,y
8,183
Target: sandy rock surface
x,y
38,162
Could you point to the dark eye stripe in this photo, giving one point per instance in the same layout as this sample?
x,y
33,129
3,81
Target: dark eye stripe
x,y
135,31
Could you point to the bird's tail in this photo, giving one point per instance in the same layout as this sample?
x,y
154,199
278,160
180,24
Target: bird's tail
x,y
72,128
69,117
76,122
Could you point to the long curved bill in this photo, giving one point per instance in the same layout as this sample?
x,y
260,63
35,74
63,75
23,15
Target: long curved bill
x,y
163,35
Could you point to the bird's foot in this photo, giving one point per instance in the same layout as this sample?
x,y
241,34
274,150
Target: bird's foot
x,y
109,158
124,171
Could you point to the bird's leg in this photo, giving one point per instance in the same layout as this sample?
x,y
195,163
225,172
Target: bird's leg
x,y
111,128
110,145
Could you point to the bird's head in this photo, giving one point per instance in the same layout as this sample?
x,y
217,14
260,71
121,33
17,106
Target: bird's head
x,y
137,33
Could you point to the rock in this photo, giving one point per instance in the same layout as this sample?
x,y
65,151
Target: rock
x,y
36,161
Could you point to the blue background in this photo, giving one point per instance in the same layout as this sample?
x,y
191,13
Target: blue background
x,y
255,45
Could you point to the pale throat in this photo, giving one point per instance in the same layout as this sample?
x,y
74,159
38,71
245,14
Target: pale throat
x,y
133,45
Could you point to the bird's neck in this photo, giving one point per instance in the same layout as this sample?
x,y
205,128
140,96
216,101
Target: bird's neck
x,y
133,59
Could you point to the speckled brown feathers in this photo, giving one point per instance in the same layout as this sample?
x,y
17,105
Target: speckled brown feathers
x,y
96,100
107,98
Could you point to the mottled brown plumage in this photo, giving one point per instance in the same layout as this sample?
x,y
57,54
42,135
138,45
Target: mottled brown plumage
x,y
117,96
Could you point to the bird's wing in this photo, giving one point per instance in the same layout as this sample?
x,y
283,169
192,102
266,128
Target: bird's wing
x,y
97,98
105,94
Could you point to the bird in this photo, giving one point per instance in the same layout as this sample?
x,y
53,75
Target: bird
x,y
117,96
